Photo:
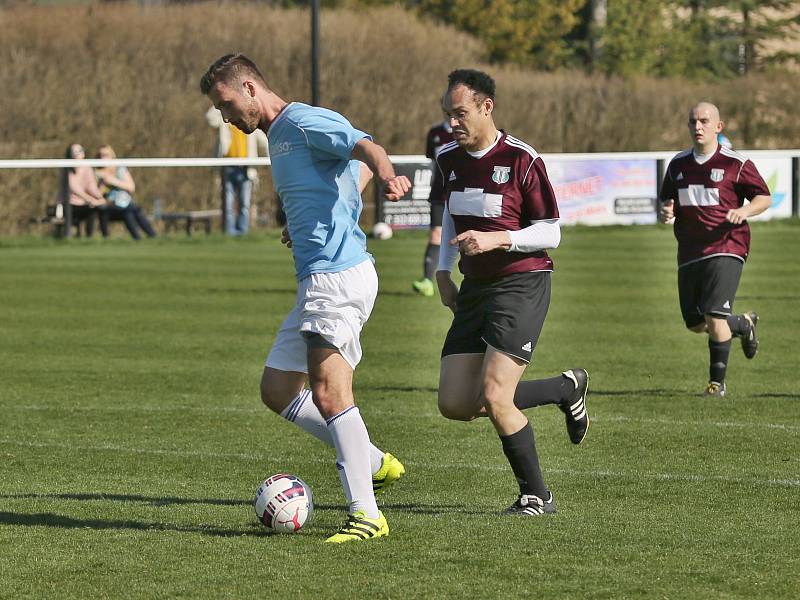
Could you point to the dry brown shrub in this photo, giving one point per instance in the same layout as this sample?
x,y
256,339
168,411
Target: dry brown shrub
x,y
127,75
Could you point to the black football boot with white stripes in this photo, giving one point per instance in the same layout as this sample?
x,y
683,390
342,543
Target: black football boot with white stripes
x,y
574,406
749,340
528,505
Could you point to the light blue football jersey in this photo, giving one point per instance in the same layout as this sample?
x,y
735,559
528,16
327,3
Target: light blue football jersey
x,y
317,181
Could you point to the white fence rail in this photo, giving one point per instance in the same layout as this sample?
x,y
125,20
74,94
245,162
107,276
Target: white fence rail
x,y
594,189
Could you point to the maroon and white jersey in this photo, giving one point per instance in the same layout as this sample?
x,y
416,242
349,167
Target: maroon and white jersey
x,y
438,136
703,194
505,189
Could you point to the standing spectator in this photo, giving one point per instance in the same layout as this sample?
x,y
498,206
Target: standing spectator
x,y
117,186
438,136
237,180
78,187
703,194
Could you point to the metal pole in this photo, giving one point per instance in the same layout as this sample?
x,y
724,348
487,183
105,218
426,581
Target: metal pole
x,y
796,186
315,52
67,215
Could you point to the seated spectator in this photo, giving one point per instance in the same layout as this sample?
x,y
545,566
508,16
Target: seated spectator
x,y
79,187
118,186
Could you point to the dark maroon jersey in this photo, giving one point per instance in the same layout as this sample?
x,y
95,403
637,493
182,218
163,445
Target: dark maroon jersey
x,y
703,195
503,190
438,136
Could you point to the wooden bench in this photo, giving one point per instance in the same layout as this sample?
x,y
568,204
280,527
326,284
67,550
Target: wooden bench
x,y
189,218
54,215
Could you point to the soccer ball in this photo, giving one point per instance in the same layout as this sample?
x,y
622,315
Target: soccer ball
x,y
283,503
381,231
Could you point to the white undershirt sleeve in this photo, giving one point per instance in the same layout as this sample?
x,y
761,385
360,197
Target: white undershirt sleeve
x,y
447,253
540,235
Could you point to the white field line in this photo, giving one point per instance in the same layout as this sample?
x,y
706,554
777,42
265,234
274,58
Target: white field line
x,y
448,466
734,424
420,414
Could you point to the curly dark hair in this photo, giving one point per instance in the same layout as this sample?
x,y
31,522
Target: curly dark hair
x,y
478,81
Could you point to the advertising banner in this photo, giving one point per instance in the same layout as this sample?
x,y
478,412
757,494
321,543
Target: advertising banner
x,y
590,191
413,209
604,192
777,172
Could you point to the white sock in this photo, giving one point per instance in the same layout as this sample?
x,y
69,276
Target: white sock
x,y
303,412
351,439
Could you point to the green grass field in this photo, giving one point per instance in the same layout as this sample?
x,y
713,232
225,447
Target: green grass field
x,y
133,438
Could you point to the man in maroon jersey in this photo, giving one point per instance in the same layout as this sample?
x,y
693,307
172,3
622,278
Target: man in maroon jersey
x,y
500,215
704,193
438,136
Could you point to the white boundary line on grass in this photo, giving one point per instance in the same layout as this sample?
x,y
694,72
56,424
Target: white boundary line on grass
x,y
740,425
419,414
256,457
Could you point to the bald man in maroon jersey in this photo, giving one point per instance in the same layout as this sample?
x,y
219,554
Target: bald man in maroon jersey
x,y
500,216
704,194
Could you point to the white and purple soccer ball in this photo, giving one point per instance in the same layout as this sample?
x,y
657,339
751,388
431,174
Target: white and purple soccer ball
x,y
283,503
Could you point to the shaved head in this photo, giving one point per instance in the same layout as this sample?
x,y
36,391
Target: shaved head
x,y
706,107
704,126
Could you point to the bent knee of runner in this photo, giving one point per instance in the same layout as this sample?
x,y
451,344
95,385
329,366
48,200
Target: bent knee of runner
x,y
699,328
330,400
456,409
278,389
495,400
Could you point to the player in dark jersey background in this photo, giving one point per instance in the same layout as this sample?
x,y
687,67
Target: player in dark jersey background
x,y
500,215
704,193
438,135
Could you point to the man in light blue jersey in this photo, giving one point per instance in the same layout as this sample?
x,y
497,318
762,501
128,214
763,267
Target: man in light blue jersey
x,y
316,163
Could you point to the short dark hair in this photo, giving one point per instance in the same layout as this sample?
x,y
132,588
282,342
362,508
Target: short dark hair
x,y
229,68
478,81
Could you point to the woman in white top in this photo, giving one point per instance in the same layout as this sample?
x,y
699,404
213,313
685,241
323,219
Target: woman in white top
x,y
117,186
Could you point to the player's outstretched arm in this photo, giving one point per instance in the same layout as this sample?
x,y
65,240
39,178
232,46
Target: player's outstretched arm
x,y
393,186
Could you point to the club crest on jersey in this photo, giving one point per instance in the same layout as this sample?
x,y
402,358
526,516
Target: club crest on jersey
x,y
500,174
717,175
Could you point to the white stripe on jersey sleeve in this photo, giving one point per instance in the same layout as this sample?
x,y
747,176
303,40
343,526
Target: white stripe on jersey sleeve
x,y
512,141
515,143
442,149
446,148
733,154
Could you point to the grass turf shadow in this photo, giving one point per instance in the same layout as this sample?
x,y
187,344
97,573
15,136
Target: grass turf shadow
x,y
65,522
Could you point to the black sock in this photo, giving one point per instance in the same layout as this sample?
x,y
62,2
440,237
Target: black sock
x,y
431,262
718,364
739,325
542,391
520,450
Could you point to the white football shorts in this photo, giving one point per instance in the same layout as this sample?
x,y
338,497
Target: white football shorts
x,y
333,305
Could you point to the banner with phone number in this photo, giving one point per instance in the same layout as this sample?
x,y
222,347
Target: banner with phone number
x,y
604,192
